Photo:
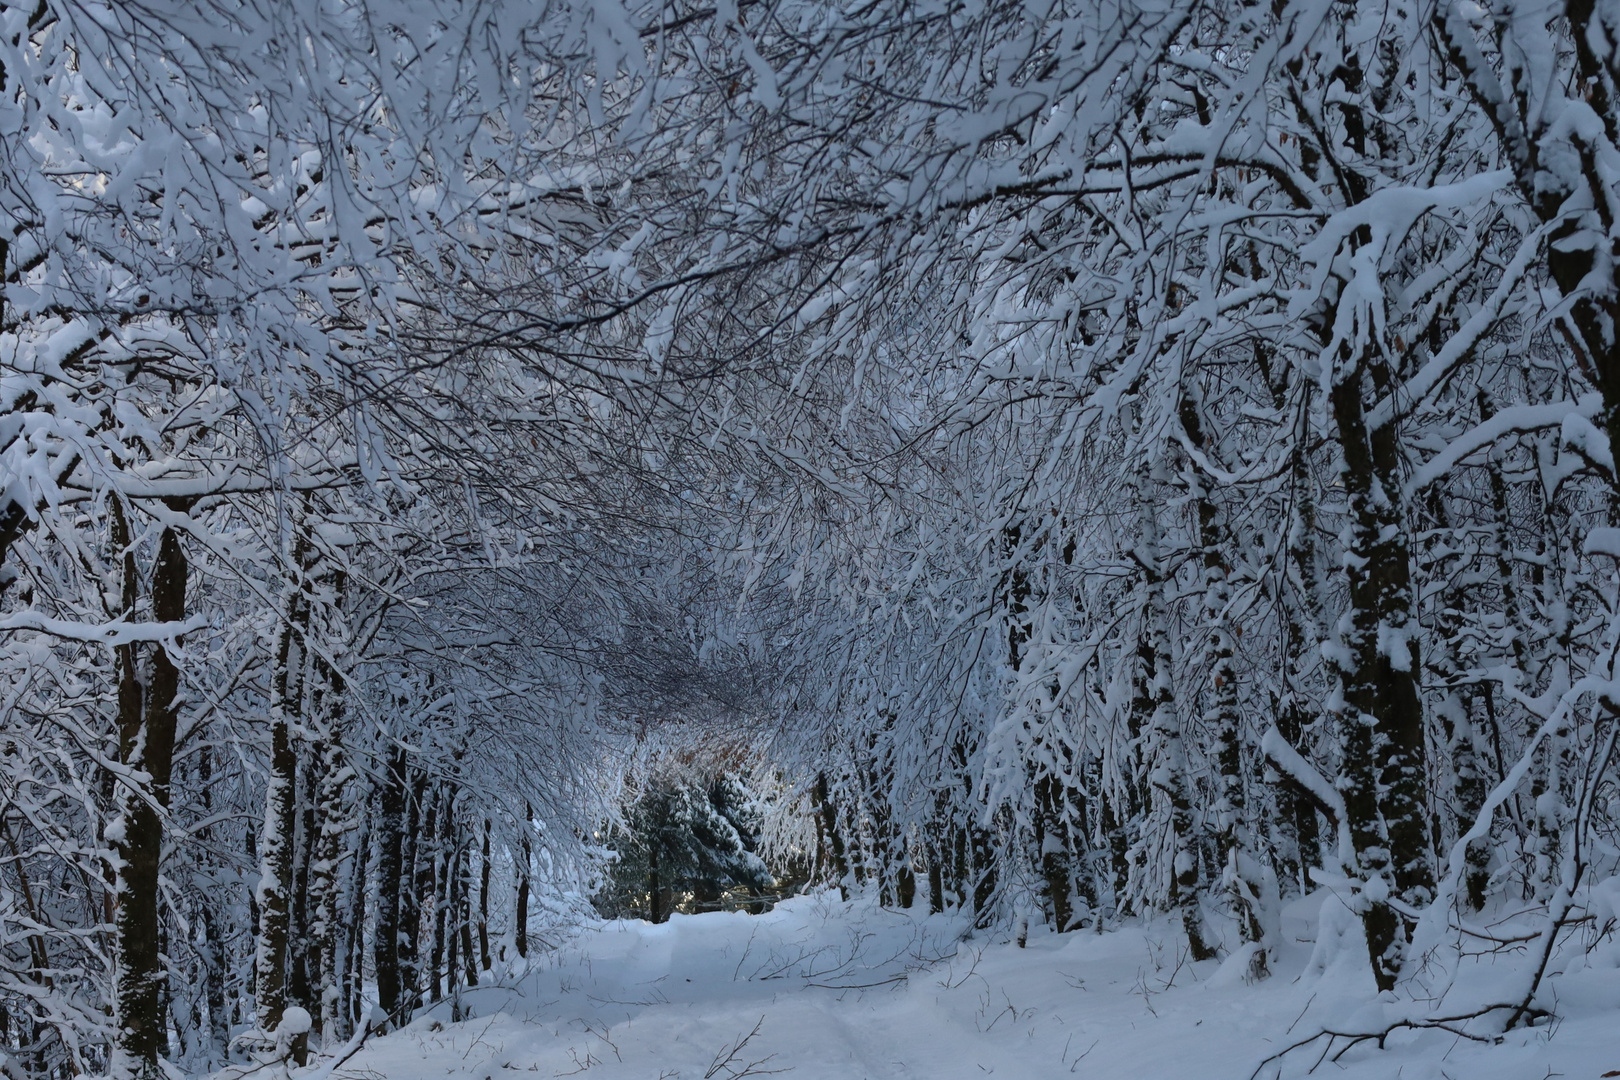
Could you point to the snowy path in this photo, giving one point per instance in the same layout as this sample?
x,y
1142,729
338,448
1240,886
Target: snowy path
x,y
854,993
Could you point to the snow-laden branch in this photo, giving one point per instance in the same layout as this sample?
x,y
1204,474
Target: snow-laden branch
x,y
116,632
1291,762
1514,420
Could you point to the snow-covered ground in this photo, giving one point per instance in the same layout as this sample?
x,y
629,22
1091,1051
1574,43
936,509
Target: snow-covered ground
x,y
818,989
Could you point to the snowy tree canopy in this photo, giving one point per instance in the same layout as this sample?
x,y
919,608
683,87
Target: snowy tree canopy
x,y
1088,462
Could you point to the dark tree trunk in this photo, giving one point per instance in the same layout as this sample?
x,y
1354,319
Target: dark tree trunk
x,y
212,947
302,943
1385,784
1299,840
1119,863
905,882
390,882
452,939
827,815
887,855
984,874
1052,838
936,871
275,854
327,876
276,843
655,886
1233,843
146,745
1455,708
352,918
415,885
483,903
463,867
958,868
1302,635
521,929
1154,703
437,886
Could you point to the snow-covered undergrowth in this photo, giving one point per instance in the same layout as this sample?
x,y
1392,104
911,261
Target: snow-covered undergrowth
x,y
820,989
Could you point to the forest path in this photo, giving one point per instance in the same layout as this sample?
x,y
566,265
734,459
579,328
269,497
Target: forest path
x,y
850,992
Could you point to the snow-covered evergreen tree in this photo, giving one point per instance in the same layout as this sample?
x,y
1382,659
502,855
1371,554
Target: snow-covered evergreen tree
x,y
687,843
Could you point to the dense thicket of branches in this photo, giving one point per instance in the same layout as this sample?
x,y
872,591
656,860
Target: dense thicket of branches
x,y
1098,458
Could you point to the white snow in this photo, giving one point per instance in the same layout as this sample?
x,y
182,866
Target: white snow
x,y
833,991
294,1021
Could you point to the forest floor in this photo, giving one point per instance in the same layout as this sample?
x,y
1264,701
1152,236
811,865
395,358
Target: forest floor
x,y
818,989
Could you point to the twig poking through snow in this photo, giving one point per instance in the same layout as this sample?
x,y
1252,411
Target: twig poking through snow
x,y
725,1059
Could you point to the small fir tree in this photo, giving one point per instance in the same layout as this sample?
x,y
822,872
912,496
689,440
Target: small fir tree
x,y
688,845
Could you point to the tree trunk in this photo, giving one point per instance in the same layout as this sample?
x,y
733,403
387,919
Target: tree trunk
x,y
275,844
827,815
1234,848
1301,604
936,871
1455,710
415,885
146,745
452,941
655,885
390,881
437,886
463,865
984,874
212,947
303,943
483,903
352,916
1052,836
521,919
1381,718
1298,835
1155,695
328,880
